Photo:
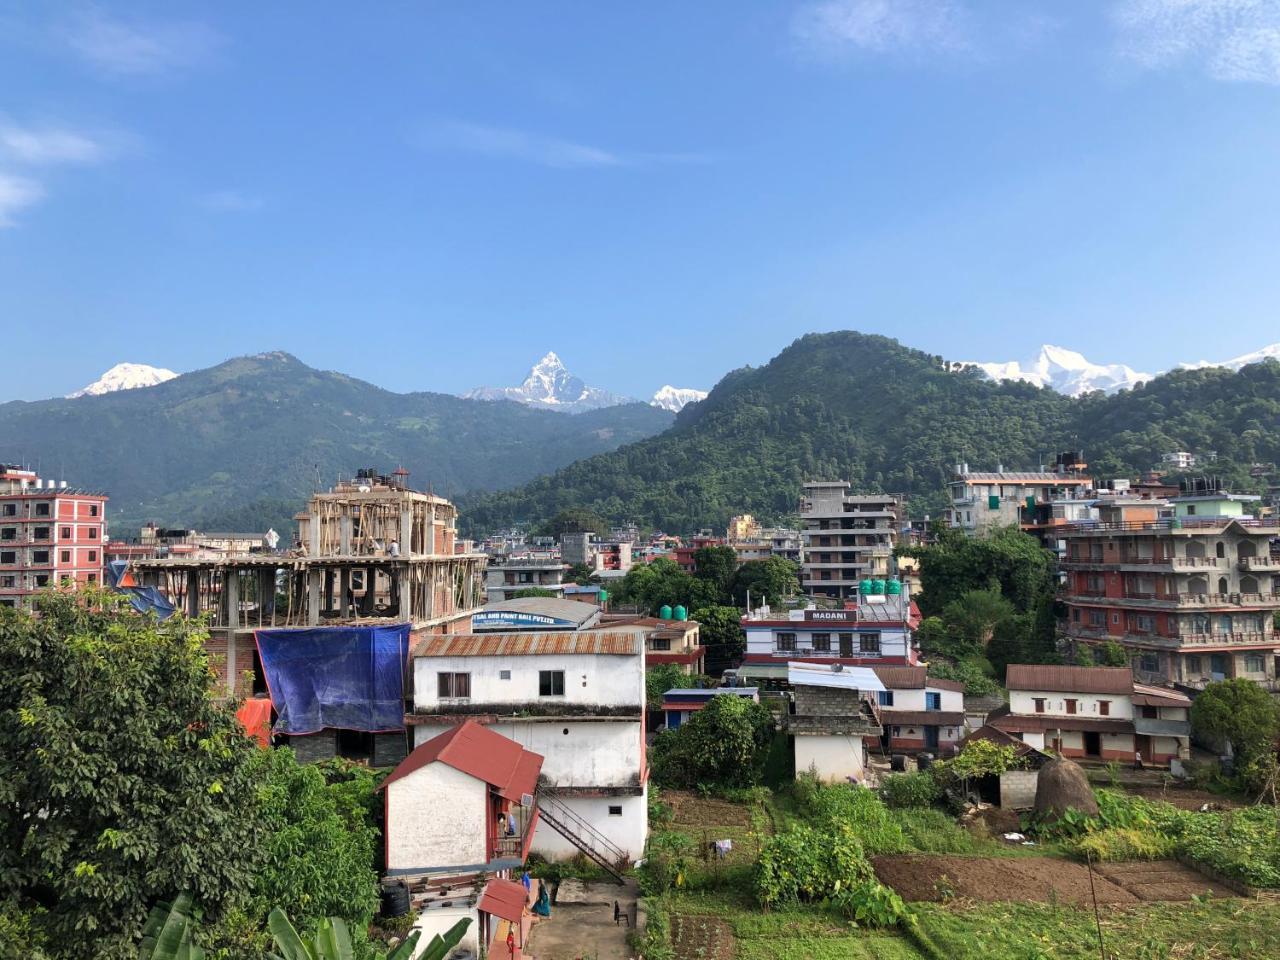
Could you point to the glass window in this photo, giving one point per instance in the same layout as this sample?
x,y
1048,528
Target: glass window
x,y
932,701
453,686
8,556
1104,708
1071,705
1039,701
93,509
93,533
886,698
65,556
660,644
1193,663
41,533
66,533
42,509
93,556
869,642
39,556
1149,662
1254,663
551,683
822,642
787,642
615,811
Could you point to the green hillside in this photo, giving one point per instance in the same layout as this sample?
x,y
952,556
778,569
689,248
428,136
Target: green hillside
x,y
241,445
889,418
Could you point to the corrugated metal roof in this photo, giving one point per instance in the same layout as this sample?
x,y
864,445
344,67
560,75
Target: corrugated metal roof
x,y
902,678
526,644
1022,676
480,752
1147,696
1022,722
1020,476
921,718
846,678
572,610
504,898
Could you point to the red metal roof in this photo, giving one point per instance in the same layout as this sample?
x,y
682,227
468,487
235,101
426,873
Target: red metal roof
x,y
654,656
480,752
505,899
526,644
1057,679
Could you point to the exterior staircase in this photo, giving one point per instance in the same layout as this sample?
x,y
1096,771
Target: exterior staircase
x,y
595,846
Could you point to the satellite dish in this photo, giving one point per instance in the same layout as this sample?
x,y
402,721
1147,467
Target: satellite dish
x,y
837,667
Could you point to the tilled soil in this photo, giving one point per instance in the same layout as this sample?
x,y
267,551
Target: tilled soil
x,y
1042,879
696,937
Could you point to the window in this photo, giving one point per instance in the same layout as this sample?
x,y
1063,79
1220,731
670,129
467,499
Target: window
x,y
1075,614
1193,663
1254,664
932,701
39,556
453,686
40,533
8,556
886,698
1150,713
787,642
661,644
1149,662
1104,708
1115,617
1071,706
66,533
869,642
822,642
10,510
1144,623
64,556
42,510
1039,701
93,509
615,811
8,581
93,533
92,578
9,533
551,683
42,579
93,556
504,674
1097,618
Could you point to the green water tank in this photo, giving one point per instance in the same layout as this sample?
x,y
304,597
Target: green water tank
x,y
894,587
864,587
681,613
664,612
877,588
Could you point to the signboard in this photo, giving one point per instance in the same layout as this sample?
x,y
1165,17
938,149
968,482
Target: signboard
x,y
515,619
841,615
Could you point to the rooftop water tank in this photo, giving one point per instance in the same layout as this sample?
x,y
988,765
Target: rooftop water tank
x,y
864,587
681,613
877,587
893,587
664,612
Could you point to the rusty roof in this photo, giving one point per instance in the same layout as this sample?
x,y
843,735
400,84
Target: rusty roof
x,y
1070,724
504,898
1148,696
902,678
480,752
1022,676
525,644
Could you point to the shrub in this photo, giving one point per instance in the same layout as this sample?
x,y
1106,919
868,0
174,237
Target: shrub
x,y
871,904
932,831
1124,843
917,789
667,863
830,806
804,864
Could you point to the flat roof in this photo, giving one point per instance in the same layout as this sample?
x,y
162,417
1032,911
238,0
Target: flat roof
x,y
574,611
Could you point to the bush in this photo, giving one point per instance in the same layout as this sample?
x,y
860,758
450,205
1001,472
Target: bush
x,y
830,806
871,904
917,789
932,831
722,745
1124,843
804,864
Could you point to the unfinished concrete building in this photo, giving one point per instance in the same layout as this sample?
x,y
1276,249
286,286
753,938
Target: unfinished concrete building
x,y
370,551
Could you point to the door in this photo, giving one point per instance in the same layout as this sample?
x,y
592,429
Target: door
x,y
846,644
1142,744
931,738
1092,744
1218,666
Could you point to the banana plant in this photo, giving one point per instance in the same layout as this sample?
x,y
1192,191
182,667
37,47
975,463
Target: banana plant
x,y
167,933
333,941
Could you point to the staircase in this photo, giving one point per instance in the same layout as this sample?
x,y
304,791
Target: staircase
x,y
598,848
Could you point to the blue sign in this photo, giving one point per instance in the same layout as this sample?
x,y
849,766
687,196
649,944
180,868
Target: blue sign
x,y
513,618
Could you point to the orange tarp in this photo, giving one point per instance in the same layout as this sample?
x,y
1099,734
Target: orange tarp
x,y
255,717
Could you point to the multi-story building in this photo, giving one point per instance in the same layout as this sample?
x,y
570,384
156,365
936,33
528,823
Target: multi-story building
x,y
673,641
1097,713
874,630
155,542
577,699
1178,460
684,553
919,712
613,556
507,577
742,527
983,501
1188,586
49,534
846,538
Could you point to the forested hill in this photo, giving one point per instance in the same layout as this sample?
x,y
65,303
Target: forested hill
x,y
243,444
886,417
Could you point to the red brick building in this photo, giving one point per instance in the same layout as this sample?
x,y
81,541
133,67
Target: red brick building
x,y
49,533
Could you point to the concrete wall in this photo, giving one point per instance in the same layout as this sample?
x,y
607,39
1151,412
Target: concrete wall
x,y
594,680
763,640
1023,701
952,700
438,921
833,758
436,818
627,831
594,753
814,701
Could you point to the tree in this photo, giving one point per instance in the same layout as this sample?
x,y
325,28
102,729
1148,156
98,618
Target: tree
x,y
1241,712
716,566
1112,654
770,581
580,573
123,782
974,615
574,520
661,678
724,743
720,631
662,583
533,592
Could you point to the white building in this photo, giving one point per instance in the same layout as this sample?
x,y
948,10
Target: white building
x,y
506,577
577,699
919,712
832,719
1094,713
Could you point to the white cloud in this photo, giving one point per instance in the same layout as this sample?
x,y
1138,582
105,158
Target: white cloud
x,y
135,47
15,194
1231,40
47,145
834,28
539,149
230,201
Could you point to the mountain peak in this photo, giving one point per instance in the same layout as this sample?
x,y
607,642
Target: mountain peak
x,y
124,376
676,399
551,386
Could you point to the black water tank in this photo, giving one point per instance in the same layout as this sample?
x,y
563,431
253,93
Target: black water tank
x,y
924,761
395,899
898,763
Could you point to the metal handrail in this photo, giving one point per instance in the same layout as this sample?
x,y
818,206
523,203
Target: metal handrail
x,y
561,810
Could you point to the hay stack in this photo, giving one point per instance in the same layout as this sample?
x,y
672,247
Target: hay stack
x,y
1062,786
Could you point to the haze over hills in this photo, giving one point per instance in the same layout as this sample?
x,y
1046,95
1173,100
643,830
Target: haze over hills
x,y
887,417
242,444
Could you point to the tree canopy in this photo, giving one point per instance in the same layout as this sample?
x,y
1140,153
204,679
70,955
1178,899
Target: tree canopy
x,y
1241,712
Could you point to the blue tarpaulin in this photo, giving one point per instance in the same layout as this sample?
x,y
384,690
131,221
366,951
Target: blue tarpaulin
x,y
347,678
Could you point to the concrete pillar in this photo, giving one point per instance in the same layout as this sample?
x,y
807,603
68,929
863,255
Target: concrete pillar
x,y
231,597
344,534
370,591
193,593
266,594
406,530
313,531
327,603
315,581
400,590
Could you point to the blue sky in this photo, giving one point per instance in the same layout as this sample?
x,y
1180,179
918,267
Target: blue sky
x,y
431,195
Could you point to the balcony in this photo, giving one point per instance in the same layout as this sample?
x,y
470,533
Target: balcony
x,y
1259,564
507,847
1250,600
1252,638
1183,525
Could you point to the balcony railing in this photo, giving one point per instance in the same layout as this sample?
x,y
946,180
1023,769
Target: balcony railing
x,y
1259,563
1247,637
1183,523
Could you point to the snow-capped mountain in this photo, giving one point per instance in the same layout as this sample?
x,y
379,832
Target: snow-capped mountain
x,y
676,399
550,386
124,376
1271,352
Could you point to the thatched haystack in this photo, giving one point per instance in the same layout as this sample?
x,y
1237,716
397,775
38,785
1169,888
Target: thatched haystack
x,y
1062,786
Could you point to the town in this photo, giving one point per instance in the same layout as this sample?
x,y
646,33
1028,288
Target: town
x,y
607,741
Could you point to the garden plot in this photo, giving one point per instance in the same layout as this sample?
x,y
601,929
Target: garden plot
x,y
1039,879
695,937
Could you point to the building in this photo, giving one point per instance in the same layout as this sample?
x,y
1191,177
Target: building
x,y
528,614
831,719
683,554
577,699
1178,460
613,556
983,501
505,578
1188,586
784,543
576,548
460,815
371,551
156,542
1094,713
50,534
876,629
919,712
676,641
681,703
742,527
846,538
